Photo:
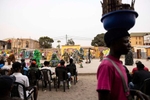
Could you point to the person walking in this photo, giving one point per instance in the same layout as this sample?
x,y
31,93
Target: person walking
x,y
109,81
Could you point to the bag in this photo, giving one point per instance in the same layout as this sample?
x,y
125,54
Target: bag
x,y
133,93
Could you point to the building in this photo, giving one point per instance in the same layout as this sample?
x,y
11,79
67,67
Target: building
x,y
22,43
3,44
147,39
140,41
140,38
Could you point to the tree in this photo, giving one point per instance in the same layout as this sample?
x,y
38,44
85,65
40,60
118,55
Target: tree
x,y
98,40
45,42
58,46
70,42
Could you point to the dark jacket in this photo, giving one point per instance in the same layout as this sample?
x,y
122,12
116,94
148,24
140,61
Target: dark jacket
x,y
139,77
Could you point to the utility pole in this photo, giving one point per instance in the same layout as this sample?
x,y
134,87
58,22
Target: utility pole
x,y
66,39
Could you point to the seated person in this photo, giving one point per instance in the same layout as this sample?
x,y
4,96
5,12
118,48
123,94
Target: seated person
x,y
62,65
46,66
34,67
71,64
6,84
4,70
16,67
24,67
2,64
139,77
136,69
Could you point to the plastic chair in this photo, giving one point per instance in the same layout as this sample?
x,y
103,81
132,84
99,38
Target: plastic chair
x,y
61,75
34,76
15,91
138,95
46,77
145,88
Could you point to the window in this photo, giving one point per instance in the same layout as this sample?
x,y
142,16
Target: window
x,y
27,44
139,38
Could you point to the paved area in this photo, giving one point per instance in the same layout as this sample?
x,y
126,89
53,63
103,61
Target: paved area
x,y
92,67
85,89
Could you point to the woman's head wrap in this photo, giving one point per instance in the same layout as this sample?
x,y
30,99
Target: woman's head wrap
x,y
114,34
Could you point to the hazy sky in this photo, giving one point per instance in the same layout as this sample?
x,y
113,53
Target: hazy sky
x,y
78,19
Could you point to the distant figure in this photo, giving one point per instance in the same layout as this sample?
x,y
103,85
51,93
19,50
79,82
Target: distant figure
x,y
89,55
66,56
3,55
43,55
101,55
11,58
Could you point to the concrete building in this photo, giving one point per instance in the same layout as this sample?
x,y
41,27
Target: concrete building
x,y
22,43
140,41
3,44
140,38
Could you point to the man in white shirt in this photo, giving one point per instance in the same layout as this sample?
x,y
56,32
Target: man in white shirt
x,y
46,66
23,80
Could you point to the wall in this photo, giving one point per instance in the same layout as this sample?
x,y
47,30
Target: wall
x,y
143,53
69,48
137,40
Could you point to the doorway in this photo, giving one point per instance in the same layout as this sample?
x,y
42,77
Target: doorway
x,y
139,53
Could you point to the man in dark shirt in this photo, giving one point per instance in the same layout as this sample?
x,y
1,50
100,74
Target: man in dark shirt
x,y
139,76
71,67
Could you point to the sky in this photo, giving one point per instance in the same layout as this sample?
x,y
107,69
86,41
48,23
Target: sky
x,y
61,19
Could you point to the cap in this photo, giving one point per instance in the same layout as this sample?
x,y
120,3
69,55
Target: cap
x,y
6,81
33,62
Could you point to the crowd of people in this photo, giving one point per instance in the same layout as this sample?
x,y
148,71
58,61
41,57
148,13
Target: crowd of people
x,y
20,70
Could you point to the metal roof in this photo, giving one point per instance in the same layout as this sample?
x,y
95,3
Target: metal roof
x,y
139,33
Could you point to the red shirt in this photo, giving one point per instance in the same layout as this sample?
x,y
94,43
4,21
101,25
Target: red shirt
x,y
109,79
136,69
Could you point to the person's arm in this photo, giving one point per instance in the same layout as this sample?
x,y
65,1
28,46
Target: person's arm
x,y
103,95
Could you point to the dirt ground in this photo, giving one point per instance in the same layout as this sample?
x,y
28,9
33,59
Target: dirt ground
x,y
85,89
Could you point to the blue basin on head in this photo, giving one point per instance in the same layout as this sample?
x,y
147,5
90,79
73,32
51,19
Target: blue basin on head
x,y
119,19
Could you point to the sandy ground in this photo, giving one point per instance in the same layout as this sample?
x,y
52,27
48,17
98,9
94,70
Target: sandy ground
x,y
85,89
